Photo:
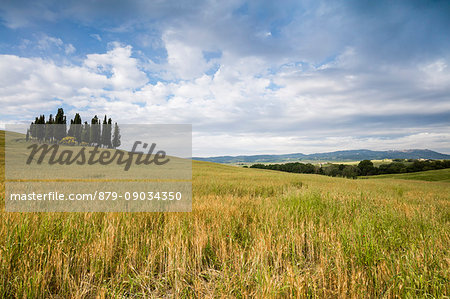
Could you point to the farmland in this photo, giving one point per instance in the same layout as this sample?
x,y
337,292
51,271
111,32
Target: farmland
x,y
442,175
251,232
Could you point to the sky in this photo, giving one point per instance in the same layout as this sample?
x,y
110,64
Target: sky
x,y
252,77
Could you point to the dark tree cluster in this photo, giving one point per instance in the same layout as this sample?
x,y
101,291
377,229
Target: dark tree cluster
x,y
364,168
367,168
341,170
288,167
95,133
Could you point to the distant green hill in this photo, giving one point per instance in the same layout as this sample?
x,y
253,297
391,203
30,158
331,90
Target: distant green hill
x,y
442,175
338,156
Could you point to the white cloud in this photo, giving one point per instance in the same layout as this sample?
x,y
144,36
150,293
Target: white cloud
x,y
47,45
122,70
46,42
96,36
250,144
69,49
436,74
184,61
234,110
300,76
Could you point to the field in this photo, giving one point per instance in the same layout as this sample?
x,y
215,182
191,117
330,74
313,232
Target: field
x,y
442,175
251,233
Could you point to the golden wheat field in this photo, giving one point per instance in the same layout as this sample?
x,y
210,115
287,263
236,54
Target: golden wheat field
x,y
251,233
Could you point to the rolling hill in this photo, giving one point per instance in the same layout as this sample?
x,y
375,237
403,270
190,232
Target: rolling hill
x,y
441,175
251,233
349,155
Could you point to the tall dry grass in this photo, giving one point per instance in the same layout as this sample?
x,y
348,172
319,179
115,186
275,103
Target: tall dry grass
x,y
251,233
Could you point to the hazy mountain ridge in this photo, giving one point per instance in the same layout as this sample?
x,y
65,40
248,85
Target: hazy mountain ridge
x,y
348,155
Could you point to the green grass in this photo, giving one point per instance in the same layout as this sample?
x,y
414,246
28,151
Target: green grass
x,y
441,175
251,233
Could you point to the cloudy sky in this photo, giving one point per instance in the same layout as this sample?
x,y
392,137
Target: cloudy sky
x,y
250,76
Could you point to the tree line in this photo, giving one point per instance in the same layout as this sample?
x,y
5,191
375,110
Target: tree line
x,y
364,168
95,133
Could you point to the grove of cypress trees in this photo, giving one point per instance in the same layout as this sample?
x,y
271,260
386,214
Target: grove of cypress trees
x,y
93,134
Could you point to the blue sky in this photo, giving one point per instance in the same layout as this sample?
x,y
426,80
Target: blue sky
x,y
250,76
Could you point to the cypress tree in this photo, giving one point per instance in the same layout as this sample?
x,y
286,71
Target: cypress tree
x,y
60,121
75,128
32,129
49,129
85,134
95,132
40,130
116,137
71,129
104,133
109,132
78,127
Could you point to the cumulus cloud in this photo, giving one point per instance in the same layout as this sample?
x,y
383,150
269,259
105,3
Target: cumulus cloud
x,y
232,144
327,104
251,77
184,61
119,66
